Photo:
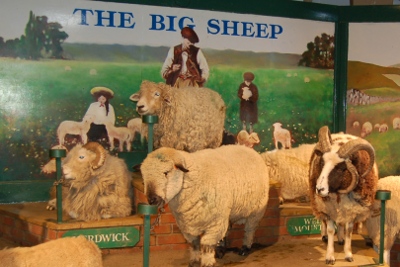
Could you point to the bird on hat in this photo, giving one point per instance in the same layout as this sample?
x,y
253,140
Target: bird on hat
x,y
190,34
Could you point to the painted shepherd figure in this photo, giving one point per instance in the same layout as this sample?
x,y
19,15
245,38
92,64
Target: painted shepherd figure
x,y
185,64
248,94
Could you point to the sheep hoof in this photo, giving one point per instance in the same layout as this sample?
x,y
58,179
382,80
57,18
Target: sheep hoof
x,y
349,259
325,239
341,242
244,251
330,261
220,252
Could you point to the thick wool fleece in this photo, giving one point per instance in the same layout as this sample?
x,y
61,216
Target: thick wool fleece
x,y
63,252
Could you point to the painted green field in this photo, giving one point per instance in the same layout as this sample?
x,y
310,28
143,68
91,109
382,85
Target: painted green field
x,y
35,96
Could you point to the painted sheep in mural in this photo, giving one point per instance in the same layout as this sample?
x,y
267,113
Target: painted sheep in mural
x,y
123,134
396,123
189,119
206,191
392,216
63,252
246,139
383,128
74,128
343,182
137,126
282,136
100,184
366,129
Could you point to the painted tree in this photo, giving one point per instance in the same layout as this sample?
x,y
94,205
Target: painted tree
x,y
319,53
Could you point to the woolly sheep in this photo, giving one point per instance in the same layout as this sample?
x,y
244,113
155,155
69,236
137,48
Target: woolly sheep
x,y
376,126
343,181
392,216
356,124
123,134
396,123
100,184
281,136
290,168
190,118
206,190
63,252
246,93
366,129
93,72
74,128
246,139
306,79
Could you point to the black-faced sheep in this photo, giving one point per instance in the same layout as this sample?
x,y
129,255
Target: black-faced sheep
x,y
206,190
100,184
190,118
392,216
63,252
74,128
343,182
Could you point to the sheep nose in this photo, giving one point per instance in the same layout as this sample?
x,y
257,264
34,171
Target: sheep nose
x,y
319,190
154,200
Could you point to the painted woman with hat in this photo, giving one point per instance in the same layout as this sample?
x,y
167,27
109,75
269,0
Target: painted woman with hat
x,y
185,64
248,94
102,111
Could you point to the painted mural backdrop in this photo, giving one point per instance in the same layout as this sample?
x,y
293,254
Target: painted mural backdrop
x,y
373,90
54,53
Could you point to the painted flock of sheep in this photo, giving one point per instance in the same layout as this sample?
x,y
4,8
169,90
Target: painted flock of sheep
x,y
208,186
367,127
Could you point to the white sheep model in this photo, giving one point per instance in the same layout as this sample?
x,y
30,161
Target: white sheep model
x,y
396,123
189,118
124,135
100,184
63,252
246,139
366,129
290,167
74,128
206,190
392,216
343,182
282,136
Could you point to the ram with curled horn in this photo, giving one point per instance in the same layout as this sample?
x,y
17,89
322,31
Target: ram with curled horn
x,y
343,181
100,184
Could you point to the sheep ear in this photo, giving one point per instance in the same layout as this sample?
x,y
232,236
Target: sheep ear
x,y
180,167
101,154
134,97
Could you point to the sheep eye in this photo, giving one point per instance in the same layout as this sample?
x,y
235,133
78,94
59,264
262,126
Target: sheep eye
x,y
165,174
81,157
157,93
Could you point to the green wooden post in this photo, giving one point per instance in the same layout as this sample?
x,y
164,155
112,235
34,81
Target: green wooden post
x,y
382,195
150,120
146,210
58,154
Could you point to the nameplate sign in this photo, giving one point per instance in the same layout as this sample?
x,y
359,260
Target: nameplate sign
x,y
116,237
307,225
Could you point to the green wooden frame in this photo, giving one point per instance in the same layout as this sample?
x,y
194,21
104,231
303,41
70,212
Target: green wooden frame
x,y
26,191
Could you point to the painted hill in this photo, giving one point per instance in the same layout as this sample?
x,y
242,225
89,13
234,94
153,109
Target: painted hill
x,y
147,54
363,76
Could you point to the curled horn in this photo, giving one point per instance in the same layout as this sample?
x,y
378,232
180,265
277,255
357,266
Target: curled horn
x,y
346,151
324,140
101,154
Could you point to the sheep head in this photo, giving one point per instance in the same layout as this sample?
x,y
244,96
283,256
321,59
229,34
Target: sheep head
x,y
338,164
82,162
151,97
163,172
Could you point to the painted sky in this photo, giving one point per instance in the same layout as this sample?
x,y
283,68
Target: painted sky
x,y
293,39
376,43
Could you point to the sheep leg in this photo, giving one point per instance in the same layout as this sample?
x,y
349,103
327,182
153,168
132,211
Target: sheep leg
x,y
111,140
121,146
324,235
330,250
347,242
194,249
340,234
